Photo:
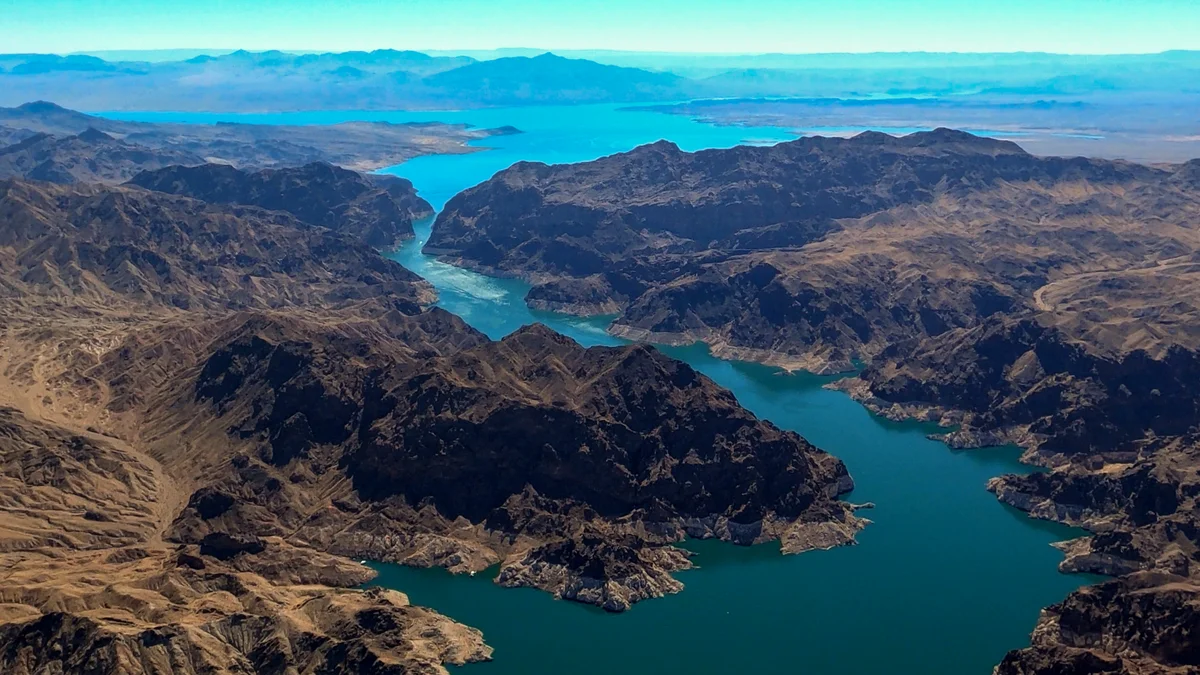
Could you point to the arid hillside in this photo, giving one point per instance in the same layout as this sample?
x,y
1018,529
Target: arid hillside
x,y
210,411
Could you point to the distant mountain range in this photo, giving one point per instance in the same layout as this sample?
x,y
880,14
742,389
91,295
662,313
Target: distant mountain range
x,y
191,80
274,80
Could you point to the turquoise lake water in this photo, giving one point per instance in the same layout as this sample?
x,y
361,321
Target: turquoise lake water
x,y
944,582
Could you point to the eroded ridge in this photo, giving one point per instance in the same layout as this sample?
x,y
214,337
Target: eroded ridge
x,y
210,408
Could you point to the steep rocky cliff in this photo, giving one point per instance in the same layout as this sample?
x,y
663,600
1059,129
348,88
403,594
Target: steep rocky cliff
x,y
811,253
573,468
377,210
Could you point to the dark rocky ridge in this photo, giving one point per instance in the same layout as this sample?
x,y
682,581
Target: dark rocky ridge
x,y
809,253
1014,375
634,451
658,200
96,245
377,210
91,156
1141,623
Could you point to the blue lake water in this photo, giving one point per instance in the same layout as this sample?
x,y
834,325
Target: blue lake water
x,y
944,582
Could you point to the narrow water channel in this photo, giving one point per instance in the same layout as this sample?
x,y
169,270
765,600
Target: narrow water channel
x,y
944,582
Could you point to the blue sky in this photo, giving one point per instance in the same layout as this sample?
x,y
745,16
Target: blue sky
x,y
748,26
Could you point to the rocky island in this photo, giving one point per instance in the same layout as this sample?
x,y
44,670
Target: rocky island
x,y
1045,301
209,408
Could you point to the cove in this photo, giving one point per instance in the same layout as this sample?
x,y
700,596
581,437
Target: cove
x,y
944,582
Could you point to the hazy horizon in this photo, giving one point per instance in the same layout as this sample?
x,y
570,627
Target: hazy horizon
x,y
499,52
1084,27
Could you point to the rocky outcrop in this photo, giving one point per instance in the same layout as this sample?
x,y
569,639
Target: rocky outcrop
x,y
377,210
1068,400
302,628
104,245
1143,511
633,452
598,569
1139,624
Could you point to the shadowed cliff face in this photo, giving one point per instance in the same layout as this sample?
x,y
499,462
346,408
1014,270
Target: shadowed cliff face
x,y
376,210
1016,373
96,245
573,468
812,253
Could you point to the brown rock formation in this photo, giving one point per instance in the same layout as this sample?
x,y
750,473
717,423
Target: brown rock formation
x,y
208,406
377,210
428,461
815,252
91,156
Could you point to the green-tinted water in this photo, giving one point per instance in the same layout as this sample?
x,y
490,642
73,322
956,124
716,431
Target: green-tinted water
x,y
944,582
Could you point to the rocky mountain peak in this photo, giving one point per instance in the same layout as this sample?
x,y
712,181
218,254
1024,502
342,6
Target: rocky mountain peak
x,y
94,135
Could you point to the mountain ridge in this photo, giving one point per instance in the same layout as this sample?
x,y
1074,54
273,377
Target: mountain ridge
x,y
209,412
377,210
388,79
